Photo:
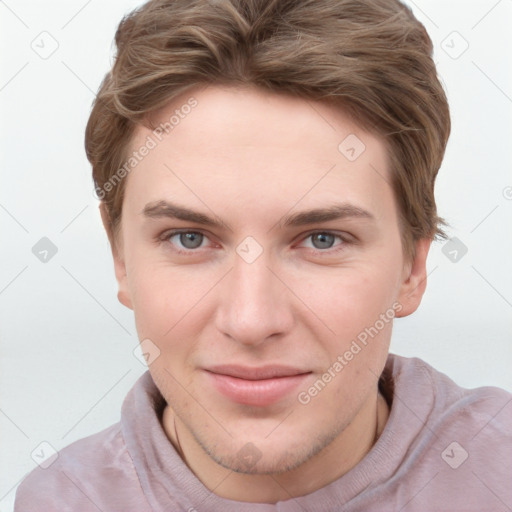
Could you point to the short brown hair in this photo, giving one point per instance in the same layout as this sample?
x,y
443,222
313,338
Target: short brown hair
x,y
372,58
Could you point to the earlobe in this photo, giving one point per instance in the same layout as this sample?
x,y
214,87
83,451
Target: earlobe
x,y
123,298
123,294
415,281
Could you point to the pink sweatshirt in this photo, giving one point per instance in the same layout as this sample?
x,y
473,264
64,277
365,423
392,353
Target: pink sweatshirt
x,y
443,448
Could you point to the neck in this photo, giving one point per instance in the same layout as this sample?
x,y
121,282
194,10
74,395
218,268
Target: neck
x,y
339,457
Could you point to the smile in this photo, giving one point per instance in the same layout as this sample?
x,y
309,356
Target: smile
x,y
256,386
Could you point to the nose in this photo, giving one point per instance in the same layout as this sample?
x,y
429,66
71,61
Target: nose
x,y
254,304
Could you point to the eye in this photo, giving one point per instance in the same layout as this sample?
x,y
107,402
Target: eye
x,y
322,240
187,239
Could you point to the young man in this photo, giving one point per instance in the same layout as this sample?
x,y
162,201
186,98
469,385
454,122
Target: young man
x,y
266,172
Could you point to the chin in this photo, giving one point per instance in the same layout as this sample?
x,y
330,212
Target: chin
x,y
267,457
267,465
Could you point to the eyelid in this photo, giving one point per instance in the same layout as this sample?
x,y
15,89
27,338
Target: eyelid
x,y
345,238
341,235
166,235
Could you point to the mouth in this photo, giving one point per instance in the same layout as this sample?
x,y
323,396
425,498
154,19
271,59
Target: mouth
x,y
256,386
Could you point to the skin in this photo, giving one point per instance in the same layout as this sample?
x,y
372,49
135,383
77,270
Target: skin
x,y
250,159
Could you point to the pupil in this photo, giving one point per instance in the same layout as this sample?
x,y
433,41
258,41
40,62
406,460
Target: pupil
x,y
191,240
323,240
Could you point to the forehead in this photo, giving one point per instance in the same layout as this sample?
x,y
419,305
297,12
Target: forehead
x,y
258,147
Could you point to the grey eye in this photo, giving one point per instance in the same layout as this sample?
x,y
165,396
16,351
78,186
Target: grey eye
x,y
191,239
322,240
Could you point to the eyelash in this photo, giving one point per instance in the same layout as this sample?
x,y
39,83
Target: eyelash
x,y
344,240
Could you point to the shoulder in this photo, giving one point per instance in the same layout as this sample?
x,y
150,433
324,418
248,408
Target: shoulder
x,y
485,411
415,377
486,406
82,476
462,453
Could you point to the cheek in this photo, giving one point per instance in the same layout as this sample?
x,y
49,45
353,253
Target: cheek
x,y
350,299
171,305
358,307
164,317
159,292
153,301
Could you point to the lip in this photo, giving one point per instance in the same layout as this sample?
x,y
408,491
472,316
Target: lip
x,y
253,386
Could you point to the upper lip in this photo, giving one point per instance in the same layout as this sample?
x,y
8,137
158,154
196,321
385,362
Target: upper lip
x,y
256,373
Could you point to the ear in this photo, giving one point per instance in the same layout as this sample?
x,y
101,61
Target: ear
x,y
414,279
123,294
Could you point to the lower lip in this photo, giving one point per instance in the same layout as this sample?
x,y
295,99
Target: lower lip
x,y
256,392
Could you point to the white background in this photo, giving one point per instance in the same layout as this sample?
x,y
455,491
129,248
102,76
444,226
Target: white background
x,y
66,343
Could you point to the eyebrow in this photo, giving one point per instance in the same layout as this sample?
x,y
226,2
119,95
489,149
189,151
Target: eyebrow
x,y
334,212
165,209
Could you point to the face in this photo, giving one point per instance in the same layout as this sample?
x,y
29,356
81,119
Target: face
x,y
261,253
